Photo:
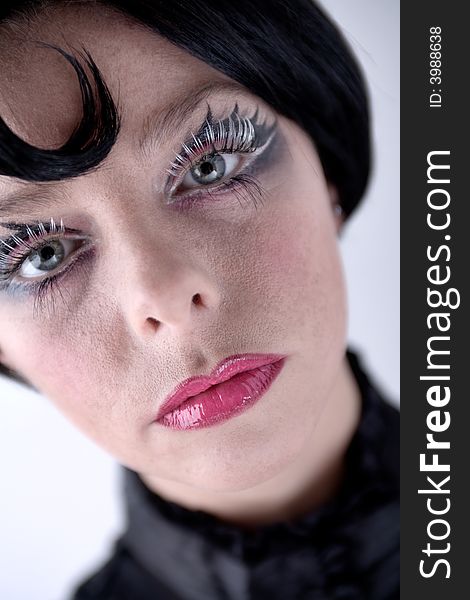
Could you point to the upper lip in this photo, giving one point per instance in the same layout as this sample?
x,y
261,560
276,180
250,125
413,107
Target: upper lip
x,y
225,369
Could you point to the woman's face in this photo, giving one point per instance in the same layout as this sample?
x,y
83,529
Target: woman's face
x,y
114,335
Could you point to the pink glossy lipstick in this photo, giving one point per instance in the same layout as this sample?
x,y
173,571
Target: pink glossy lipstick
x,y
234,385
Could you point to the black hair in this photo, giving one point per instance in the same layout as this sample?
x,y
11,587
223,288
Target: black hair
x,y
87,147
287,52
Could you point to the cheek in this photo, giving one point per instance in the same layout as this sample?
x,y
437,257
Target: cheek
x,y
60,360
298,262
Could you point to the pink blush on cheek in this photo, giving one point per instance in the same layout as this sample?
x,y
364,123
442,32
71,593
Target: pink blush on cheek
x,y
57,370
287,251
298,260
54,372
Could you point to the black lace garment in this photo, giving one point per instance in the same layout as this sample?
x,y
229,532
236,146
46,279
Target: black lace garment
x,y
348,549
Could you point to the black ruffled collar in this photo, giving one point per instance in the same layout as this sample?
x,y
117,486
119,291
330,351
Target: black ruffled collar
x,y
324,552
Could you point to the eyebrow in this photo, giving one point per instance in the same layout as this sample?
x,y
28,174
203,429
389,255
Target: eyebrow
x,y
158,128
36,196
164,123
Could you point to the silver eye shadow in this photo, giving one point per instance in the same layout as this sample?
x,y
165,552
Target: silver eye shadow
x,y
230,135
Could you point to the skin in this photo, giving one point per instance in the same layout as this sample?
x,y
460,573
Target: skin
x,y
268,279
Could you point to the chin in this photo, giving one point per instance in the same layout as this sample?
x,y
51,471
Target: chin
x,y
241,467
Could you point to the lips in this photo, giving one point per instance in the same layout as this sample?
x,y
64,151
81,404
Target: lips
x,y
233,386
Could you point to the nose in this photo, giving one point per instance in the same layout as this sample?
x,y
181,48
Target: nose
x,y
165,287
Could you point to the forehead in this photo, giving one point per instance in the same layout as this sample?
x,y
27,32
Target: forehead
x,y
39,92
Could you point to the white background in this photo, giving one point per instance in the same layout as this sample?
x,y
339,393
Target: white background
x,y
59,505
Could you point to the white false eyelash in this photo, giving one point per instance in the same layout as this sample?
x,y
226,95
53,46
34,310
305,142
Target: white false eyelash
x,y
4,256
54,229
240,134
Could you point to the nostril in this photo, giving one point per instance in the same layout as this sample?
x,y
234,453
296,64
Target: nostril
x,y
153,322
197,299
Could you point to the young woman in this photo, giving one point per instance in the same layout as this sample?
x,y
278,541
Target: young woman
x,y
173,179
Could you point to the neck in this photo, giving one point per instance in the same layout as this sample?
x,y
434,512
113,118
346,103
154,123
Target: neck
x,y
308,482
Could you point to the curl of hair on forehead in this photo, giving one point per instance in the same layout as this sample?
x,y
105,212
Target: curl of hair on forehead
x,y
89,144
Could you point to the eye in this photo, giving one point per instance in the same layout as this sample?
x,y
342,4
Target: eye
x,y
211,169
46,258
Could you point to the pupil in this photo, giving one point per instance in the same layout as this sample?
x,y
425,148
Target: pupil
x,y
47,253
206,168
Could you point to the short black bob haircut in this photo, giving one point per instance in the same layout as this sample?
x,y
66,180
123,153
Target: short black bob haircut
x,y
286,52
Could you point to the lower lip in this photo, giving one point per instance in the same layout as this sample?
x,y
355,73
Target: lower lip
x,y
224,400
